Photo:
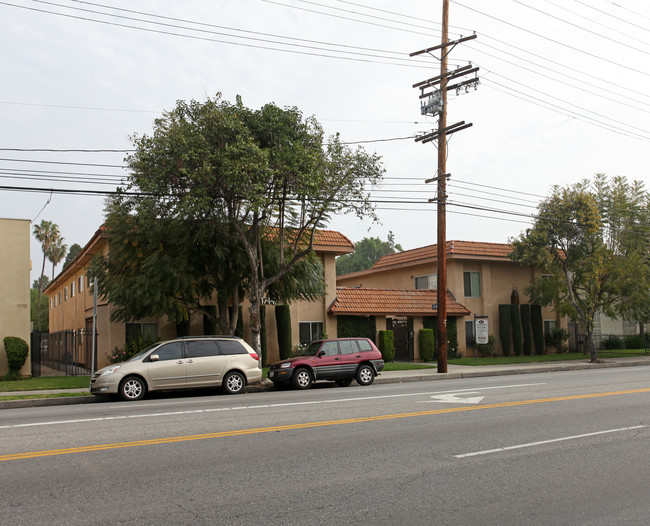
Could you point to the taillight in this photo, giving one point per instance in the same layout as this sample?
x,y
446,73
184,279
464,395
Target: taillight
x,y
254,356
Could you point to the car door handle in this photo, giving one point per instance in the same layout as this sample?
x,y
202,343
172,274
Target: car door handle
x,y
179,362
337,358
190,361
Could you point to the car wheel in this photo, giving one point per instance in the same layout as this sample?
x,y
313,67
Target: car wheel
x,y
301,379
344,383
234,382
132,388
365,375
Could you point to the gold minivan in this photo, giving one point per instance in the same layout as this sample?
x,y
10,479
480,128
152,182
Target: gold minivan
x,y
183,363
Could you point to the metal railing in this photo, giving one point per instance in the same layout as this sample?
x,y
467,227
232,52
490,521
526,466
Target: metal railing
x,y
65,353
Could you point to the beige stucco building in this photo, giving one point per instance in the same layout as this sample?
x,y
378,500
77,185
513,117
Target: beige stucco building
x,y
14,285
480,277
71,305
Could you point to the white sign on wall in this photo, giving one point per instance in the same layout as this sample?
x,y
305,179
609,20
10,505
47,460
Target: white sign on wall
x,y
481,327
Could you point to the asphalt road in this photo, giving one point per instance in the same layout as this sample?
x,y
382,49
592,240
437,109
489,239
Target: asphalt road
x,y
555,448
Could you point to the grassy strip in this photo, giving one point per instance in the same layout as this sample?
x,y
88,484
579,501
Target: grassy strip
x,y
502,360
33,396
49,382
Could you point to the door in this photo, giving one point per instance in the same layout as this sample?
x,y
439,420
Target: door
x,y
401,334
350,357
327,362
169,370
204,365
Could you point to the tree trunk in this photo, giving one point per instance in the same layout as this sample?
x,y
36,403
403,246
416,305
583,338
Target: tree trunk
x,y
590,347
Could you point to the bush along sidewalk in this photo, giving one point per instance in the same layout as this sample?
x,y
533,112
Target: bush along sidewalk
x,y
17,351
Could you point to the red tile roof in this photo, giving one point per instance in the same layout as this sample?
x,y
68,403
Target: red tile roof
x,y
332,238
476,249
401,302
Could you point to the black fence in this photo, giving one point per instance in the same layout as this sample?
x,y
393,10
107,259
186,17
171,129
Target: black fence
x,y
617,343
63,353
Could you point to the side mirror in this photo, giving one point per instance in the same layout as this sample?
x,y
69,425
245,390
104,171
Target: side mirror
x,y
154,358
320,353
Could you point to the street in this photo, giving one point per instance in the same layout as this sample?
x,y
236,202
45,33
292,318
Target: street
x,y
550,448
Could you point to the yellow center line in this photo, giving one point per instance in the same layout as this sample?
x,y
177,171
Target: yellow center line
x,y
307,425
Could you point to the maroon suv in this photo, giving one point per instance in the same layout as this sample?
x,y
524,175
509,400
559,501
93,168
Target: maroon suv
x,y
338,359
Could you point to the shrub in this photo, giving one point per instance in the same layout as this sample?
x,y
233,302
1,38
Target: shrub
x,y
17,351
610,343
537,325
505,329
515,320
452,339
636,341
132,347
426,342
487,349
526,329
283,324
386,344
557,338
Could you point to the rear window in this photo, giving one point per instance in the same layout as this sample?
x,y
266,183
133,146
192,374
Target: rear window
x,y
348,346
200,348
231,347
364,345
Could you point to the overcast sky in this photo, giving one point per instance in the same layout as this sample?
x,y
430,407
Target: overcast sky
x,y
563,95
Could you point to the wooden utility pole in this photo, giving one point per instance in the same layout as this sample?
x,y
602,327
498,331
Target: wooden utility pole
x,y
437,105
442,197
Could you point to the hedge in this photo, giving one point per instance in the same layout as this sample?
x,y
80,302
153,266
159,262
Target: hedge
x,y
17,351
524,310
426,344
283,323
356,326
386,344
537,325
505,329
515,319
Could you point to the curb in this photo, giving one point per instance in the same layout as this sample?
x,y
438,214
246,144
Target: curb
x,y
381,379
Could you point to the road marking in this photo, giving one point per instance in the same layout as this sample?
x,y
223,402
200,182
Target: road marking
x,y
453,398
305,425
260,406
542,442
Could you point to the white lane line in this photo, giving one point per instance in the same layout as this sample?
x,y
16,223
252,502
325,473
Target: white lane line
x,y
263,406
542,442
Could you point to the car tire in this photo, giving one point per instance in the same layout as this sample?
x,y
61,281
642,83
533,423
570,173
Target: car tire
x,y
344,383
365,375
132,388
234,382
301,379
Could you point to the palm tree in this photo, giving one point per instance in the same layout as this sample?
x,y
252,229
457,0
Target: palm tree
x,y
47,233
57,253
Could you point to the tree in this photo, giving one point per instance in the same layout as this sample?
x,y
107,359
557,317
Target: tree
x,y
254,176
592,241
48,235
366,253
73,252
56,253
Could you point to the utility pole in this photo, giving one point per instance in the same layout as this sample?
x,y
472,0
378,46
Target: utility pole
x,y
436,104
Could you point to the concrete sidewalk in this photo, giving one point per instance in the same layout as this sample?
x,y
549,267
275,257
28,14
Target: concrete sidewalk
x,y
412,375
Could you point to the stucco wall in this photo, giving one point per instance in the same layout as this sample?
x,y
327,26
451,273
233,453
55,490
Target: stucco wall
x,y
14,285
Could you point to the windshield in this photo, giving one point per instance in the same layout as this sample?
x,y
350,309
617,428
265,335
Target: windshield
x,y
311,349
141,354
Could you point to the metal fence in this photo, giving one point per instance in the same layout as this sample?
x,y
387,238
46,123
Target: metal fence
x,y
619,343
64,353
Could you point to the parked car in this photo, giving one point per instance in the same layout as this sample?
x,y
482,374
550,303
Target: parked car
x,y
183,363
338,359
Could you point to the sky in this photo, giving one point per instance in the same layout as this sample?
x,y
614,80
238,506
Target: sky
x,y
562,95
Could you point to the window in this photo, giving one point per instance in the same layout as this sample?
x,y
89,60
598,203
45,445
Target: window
x,y
80,286
348,346
472,282
329,348
231,347
146,331
65,294
470,336
169,351
201,348
549,326
310,331
72,289
429,282
59,297
364,345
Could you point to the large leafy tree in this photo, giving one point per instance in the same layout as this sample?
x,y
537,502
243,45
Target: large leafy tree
x,y
39,315
592,240
251,178
73,252
366,253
